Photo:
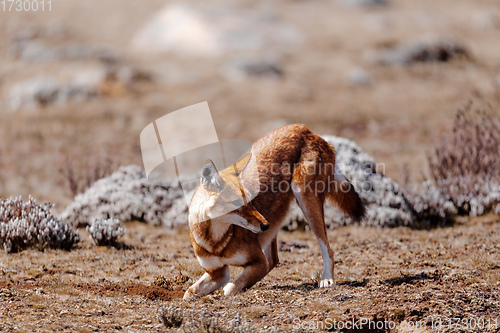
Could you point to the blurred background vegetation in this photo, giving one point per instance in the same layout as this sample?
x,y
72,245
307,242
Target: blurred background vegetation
x,y
79,83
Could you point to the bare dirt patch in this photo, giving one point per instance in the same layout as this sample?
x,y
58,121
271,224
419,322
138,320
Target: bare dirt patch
x,y
149,292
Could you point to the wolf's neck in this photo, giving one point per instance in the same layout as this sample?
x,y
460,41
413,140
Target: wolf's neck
x,y
213,235
218,229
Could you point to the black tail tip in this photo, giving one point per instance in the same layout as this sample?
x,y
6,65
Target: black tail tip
x,y
359,211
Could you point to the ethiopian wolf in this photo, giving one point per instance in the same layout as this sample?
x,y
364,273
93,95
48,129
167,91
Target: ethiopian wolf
x,y
225,229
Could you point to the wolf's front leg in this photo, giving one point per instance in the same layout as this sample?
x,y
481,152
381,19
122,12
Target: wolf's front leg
x,y
252,273
208,282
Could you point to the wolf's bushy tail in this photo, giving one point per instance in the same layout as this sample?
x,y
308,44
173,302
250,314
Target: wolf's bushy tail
x,y
346,198
340,192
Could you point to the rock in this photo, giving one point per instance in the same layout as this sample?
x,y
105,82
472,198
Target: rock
x,y
210,30
242,69
428,49
365,3
359,77
42,90
70,83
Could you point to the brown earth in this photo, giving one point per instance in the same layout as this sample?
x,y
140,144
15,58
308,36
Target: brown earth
x,y
419,277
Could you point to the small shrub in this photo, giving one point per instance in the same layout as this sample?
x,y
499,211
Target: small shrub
x,y
26,224
172,315
81,174
465,164
201,320
105,232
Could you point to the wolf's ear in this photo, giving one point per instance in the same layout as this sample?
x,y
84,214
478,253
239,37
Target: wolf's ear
x,y
243,162
210,178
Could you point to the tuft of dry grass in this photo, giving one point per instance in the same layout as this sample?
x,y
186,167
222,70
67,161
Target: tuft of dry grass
x,y
465,171
465,164
200,320
172,315
81,173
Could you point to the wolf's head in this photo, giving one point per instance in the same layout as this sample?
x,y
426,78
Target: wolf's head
x,y
226,199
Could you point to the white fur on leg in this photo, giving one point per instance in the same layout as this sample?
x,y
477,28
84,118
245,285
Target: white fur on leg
x,y
326,278
325,283
268,252
205,285
230,289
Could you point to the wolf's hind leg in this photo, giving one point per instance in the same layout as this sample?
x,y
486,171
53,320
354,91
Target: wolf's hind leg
x,y
208,283
312,207
271,252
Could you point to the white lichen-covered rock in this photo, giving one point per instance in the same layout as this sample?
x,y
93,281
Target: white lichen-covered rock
x,y
105,232
475,196
127,195
29,224
213,30
431,205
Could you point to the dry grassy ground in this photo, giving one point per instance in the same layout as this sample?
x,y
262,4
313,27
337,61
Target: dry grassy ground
x,y
417,276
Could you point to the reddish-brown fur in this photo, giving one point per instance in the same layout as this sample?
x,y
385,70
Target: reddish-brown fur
x,y
290,163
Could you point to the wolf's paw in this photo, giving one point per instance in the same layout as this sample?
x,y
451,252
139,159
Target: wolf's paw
x,y
189,294
325,283
230,289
